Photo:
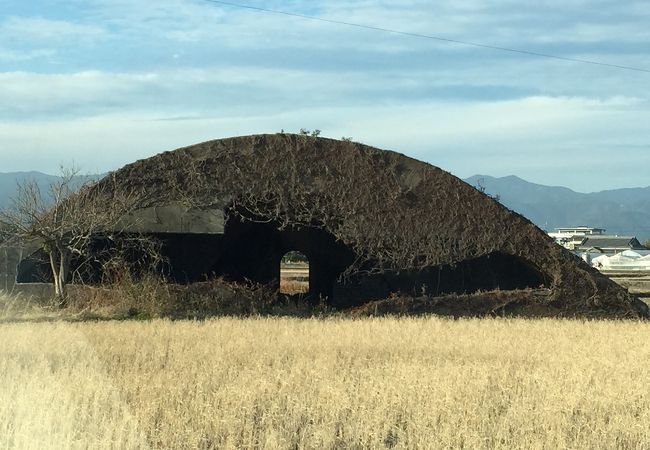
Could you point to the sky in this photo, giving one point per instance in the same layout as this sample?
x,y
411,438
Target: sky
x,y
101,83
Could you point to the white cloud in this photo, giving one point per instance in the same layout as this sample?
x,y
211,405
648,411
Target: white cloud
x,y
223,91
218,90
40,29
11,56
529,137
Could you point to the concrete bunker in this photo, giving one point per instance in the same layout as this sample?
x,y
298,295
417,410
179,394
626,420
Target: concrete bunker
x,y
372,223
250,249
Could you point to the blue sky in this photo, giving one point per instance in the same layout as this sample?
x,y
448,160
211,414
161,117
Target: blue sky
x,y
105,82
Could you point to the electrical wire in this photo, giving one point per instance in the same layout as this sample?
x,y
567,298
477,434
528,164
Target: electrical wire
x,y
428,36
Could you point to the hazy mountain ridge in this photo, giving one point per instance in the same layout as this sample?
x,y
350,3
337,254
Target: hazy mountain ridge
x,y
620,211
9,182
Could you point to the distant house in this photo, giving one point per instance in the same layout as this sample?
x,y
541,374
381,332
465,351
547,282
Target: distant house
x,y
573,237
609,245
580,230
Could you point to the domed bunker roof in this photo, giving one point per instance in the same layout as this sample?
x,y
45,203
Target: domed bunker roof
x,y
371,222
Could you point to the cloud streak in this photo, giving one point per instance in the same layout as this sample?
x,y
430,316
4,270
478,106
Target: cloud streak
x,y
39,29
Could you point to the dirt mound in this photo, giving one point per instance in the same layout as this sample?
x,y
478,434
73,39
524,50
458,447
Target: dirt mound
x,y
395,214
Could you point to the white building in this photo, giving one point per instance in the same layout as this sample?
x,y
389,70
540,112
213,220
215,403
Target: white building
x,y
572,237
626,261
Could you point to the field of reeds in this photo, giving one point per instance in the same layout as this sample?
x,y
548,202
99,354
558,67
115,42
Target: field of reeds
x,y
282,383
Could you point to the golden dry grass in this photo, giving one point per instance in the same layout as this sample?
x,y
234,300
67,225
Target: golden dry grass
x,y
291,287
334,383
294,278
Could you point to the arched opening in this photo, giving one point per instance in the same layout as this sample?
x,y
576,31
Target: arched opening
x,y
294,273
252,250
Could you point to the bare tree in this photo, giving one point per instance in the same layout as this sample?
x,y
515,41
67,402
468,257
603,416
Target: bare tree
x,y
480,186
5,232
65,219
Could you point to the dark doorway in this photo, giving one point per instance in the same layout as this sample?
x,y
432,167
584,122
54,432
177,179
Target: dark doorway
x,y
35,268
253,249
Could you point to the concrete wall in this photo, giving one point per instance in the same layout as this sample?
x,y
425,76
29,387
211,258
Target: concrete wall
x,y
174,218
10,257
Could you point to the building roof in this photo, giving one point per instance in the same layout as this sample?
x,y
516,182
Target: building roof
x,y
615,242
581,228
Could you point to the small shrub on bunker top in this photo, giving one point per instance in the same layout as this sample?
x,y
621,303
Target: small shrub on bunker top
x,y
306,132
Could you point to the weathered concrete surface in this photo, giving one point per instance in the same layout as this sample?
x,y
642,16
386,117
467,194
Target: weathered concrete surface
x,y
10,257
11,254
174,218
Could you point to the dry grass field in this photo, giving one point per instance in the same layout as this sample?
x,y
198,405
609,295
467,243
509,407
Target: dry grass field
x,y
294,278
325,384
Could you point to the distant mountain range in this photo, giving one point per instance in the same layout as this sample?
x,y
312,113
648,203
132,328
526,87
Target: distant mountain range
x,y
9,181
619,211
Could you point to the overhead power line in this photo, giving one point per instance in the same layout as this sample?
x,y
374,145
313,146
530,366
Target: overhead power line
x,y
428,36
